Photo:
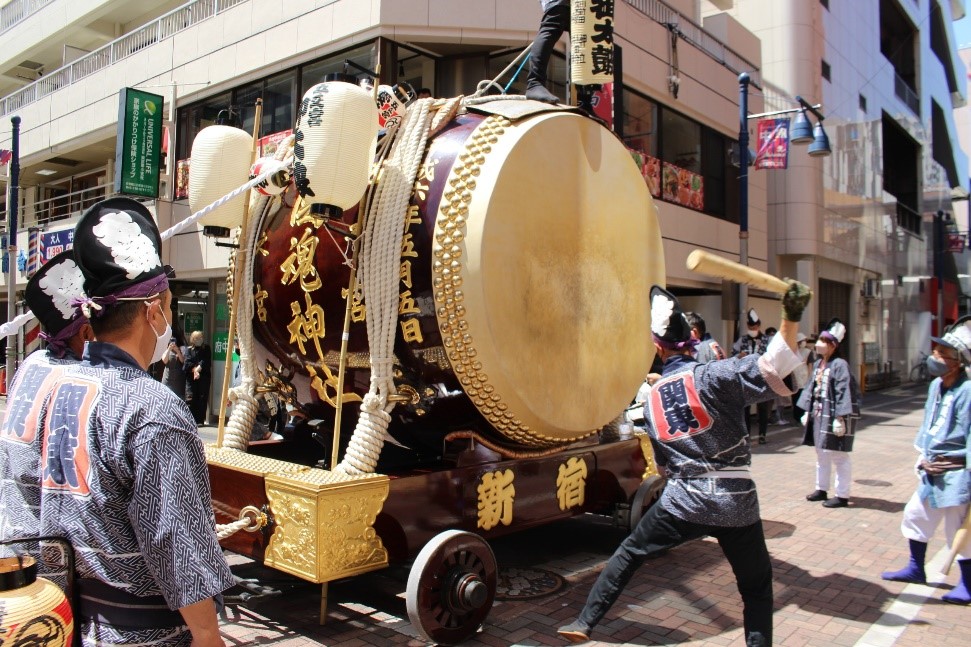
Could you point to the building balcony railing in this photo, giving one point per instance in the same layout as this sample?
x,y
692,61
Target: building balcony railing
x,y
693,33
17,11
906,93
156,31
44,213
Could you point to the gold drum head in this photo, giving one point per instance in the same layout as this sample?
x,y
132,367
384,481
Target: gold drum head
x,y
546,246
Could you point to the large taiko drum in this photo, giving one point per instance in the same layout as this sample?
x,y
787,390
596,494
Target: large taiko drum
x,y
529,250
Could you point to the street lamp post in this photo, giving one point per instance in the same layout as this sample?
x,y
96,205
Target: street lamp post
x,y
819,146
13,201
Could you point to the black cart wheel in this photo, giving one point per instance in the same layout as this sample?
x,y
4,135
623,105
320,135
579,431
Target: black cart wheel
x,y
648,492
451,587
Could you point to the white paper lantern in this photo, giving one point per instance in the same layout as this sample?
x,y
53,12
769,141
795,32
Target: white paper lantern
x,y
220,163
274,184
335,142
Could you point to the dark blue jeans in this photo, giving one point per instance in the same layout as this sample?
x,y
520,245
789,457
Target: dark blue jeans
x,y
659,531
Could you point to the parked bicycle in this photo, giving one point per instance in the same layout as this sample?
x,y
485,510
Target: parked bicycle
x,y
919,373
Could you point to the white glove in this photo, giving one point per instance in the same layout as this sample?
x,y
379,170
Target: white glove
x,y
839,428
804,419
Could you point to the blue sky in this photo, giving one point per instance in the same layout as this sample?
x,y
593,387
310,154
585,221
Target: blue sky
x,y
962,29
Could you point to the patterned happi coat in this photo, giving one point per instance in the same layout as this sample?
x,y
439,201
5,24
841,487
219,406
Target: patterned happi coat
x,y
708,350
20,445
831,393
946,431
697,426
123,475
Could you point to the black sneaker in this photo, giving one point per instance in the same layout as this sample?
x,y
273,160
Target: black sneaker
x,y
575,632
817,495
540,93
836,502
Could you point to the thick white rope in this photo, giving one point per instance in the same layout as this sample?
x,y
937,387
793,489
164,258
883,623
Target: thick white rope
x,y
379,269
239,427
194,218
224,530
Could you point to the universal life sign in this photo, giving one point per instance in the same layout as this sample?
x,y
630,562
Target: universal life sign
x,y
139,143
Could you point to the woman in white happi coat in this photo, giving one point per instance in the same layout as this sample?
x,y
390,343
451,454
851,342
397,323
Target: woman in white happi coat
x,y
831,407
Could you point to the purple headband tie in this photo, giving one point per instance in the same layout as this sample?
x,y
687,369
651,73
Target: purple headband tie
x,y
671,345
828,336
94,307
57,344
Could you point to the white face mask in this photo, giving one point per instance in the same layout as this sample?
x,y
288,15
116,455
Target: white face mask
x,y
753,333
161,341
822,348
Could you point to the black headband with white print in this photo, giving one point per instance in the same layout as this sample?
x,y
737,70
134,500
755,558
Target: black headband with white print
x,y
50,294
118,248
669,326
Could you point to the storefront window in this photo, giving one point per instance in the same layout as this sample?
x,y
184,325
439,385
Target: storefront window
x,y
278,101
314,73
194,118
415,69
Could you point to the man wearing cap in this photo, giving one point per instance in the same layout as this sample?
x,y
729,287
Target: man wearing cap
x,y
697,427
831,405
943,444
754,342
50,294
123,474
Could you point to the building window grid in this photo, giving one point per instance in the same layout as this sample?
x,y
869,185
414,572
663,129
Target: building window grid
x,y
826,70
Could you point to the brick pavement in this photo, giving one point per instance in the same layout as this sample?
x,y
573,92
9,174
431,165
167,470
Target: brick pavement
x,y
826,562
827,569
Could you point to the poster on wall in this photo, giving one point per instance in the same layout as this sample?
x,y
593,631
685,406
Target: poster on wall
x,y
269,143
683,187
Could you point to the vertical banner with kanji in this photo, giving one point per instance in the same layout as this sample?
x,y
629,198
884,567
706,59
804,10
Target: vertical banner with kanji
x,y
773,139
592,42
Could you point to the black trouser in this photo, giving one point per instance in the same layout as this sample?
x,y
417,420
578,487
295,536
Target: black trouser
x,y
556,20
658,531
762,410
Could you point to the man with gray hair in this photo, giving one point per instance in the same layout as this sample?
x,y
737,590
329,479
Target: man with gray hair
x,y
943,443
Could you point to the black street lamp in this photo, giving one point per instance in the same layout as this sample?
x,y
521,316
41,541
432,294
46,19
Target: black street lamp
x,y
800,133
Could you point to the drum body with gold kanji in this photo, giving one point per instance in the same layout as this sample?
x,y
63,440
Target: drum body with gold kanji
x,y
530,245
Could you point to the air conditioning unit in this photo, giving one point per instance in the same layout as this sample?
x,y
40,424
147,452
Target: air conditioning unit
x,y
871,288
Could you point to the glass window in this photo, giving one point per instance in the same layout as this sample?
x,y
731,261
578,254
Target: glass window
x,y
278,102
415,69
194,118
314,73
640,123
680,141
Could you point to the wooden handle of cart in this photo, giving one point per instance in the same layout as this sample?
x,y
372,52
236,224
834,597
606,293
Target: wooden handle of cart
x,y
713,265
960,540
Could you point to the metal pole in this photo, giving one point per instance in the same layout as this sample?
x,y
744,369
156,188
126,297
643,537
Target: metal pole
x,y
13,203
743,83
939,268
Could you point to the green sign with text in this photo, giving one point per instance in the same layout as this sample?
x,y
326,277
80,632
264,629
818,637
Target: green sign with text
x,y
139,143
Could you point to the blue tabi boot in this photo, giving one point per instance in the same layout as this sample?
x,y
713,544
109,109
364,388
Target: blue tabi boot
x,y
914,571
961,594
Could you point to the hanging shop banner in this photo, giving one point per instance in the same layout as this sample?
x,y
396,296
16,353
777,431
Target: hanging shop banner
x,y
773,141
592,42
956,242
139,146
